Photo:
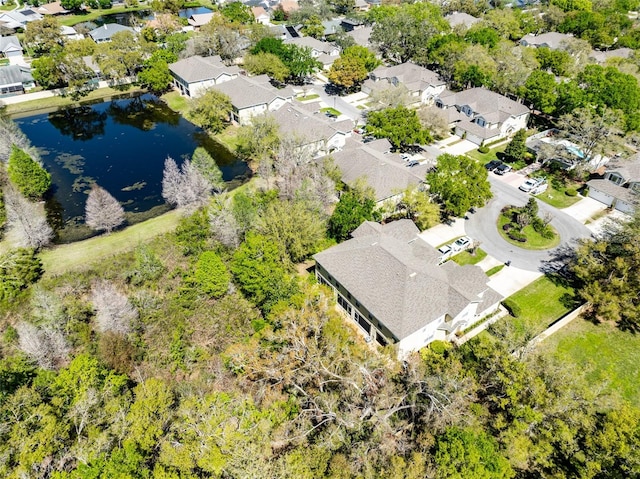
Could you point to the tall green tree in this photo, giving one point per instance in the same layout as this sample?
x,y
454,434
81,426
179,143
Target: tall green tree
x,y
211,111
355,206
400,125
155,73
237,12
347,72
31,179
516,150
459,183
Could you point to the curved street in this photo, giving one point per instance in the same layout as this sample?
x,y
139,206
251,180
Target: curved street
x,y
481,226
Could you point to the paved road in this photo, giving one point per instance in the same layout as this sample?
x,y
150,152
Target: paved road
x,y
481,226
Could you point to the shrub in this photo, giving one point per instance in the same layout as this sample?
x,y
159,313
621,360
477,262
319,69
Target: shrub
x,y
212,275
571,192
513,308
483,149
31,179
547,232
516,235
585,191
507,226
19,268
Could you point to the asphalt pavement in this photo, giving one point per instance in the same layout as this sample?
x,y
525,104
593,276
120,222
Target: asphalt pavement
x,y
337,102
481,226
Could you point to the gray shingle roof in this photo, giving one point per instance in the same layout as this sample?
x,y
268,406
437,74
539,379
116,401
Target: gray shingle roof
x,y
414,77
296,120
14,74
552,40
629,170
245,93
10,43
106,31
461,18
386,173
484,103
399,281
197,68
610,188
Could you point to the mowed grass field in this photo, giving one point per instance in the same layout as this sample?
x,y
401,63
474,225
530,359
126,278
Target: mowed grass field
x,y
76,256
609,357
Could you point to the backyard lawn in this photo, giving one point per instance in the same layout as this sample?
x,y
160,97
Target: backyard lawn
x,y
541,303
608,356
465,257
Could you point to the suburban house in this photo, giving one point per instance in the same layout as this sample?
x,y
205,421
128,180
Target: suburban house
x,y
105,32
193,75
602,57
553,40
53,8
620,186
70,33
198,20
15,80
261,15
385,172
18,19
252,96
461,19
422,84
11,49
318,135
361,36
480,115
325,52
389,282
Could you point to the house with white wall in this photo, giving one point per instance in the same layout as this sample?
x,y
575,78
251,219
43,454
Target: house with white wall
x,y
387,281
253,96
620,186
11,49
194,75
325,52
423,84
482,116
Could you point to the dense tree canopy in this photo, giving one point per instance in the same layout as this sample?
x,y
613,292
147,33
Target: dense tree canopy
x,y
31,179
355,206
400,125
460,183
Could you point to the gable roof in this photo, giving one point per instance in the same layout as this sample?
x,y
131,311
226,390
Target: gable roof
x,y
386,173
414,77
197,68
106,31
53,8
395,275
629,170
602,57
314,44
492,106
10,44
294,119
15,74
13,19
245,92
461,18
361,35
200,19
551,40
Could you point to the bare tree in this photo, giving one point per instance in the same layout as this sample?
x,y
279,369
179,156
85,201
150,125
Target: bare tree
x,y
184,187
46,346
102,211
224,226
27,221
113,310
434,119
11,135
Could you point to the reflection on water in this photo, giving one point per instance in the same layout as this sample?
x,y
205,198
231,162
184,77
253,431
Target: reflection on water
x,y
121,145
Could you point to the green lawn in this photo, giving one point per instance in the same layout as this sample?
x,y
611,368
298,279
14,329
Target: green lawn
x,y
486,157
90,15
176,101
534,240
308,97
331,110
494,270
607,355
62,101
465,257
75,256
228,137
541,303
558,197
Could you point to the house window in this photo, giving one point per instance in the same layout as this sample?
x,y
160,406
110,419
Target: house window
x,y
364,324
344,304
321,280
615,178
480,122
380,339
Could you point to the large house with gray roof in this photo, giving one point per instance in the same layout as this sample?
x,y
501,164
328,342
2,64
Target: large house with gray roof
x,y
422,84
11,49
552,40
385,172
620,186
482,116
461,20
105,32
389,283
253,96
15,80
325,52
317,134
194,75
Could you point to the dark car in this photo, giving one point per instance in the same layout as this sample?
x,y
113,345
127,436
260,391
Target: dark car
x,y
492,165
330,114
502,169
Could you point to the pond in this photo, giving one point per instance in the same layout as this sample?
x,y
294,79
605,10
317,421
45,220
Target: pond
x,y
121,145
139,17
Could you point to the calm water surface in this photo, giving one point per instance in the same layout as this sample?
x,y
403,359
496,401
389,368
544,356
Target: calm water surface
x,y
121,145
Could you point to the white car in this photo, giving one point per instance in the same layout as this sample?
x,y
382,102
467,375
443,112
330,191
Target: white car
x,y
534,185
461,244
445,252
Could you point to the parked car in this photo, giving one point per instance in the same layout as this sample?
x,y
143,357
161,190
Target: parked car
x,y
502,169
532,184
331,114
492,165
413,163
461,244
445,252
405,157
